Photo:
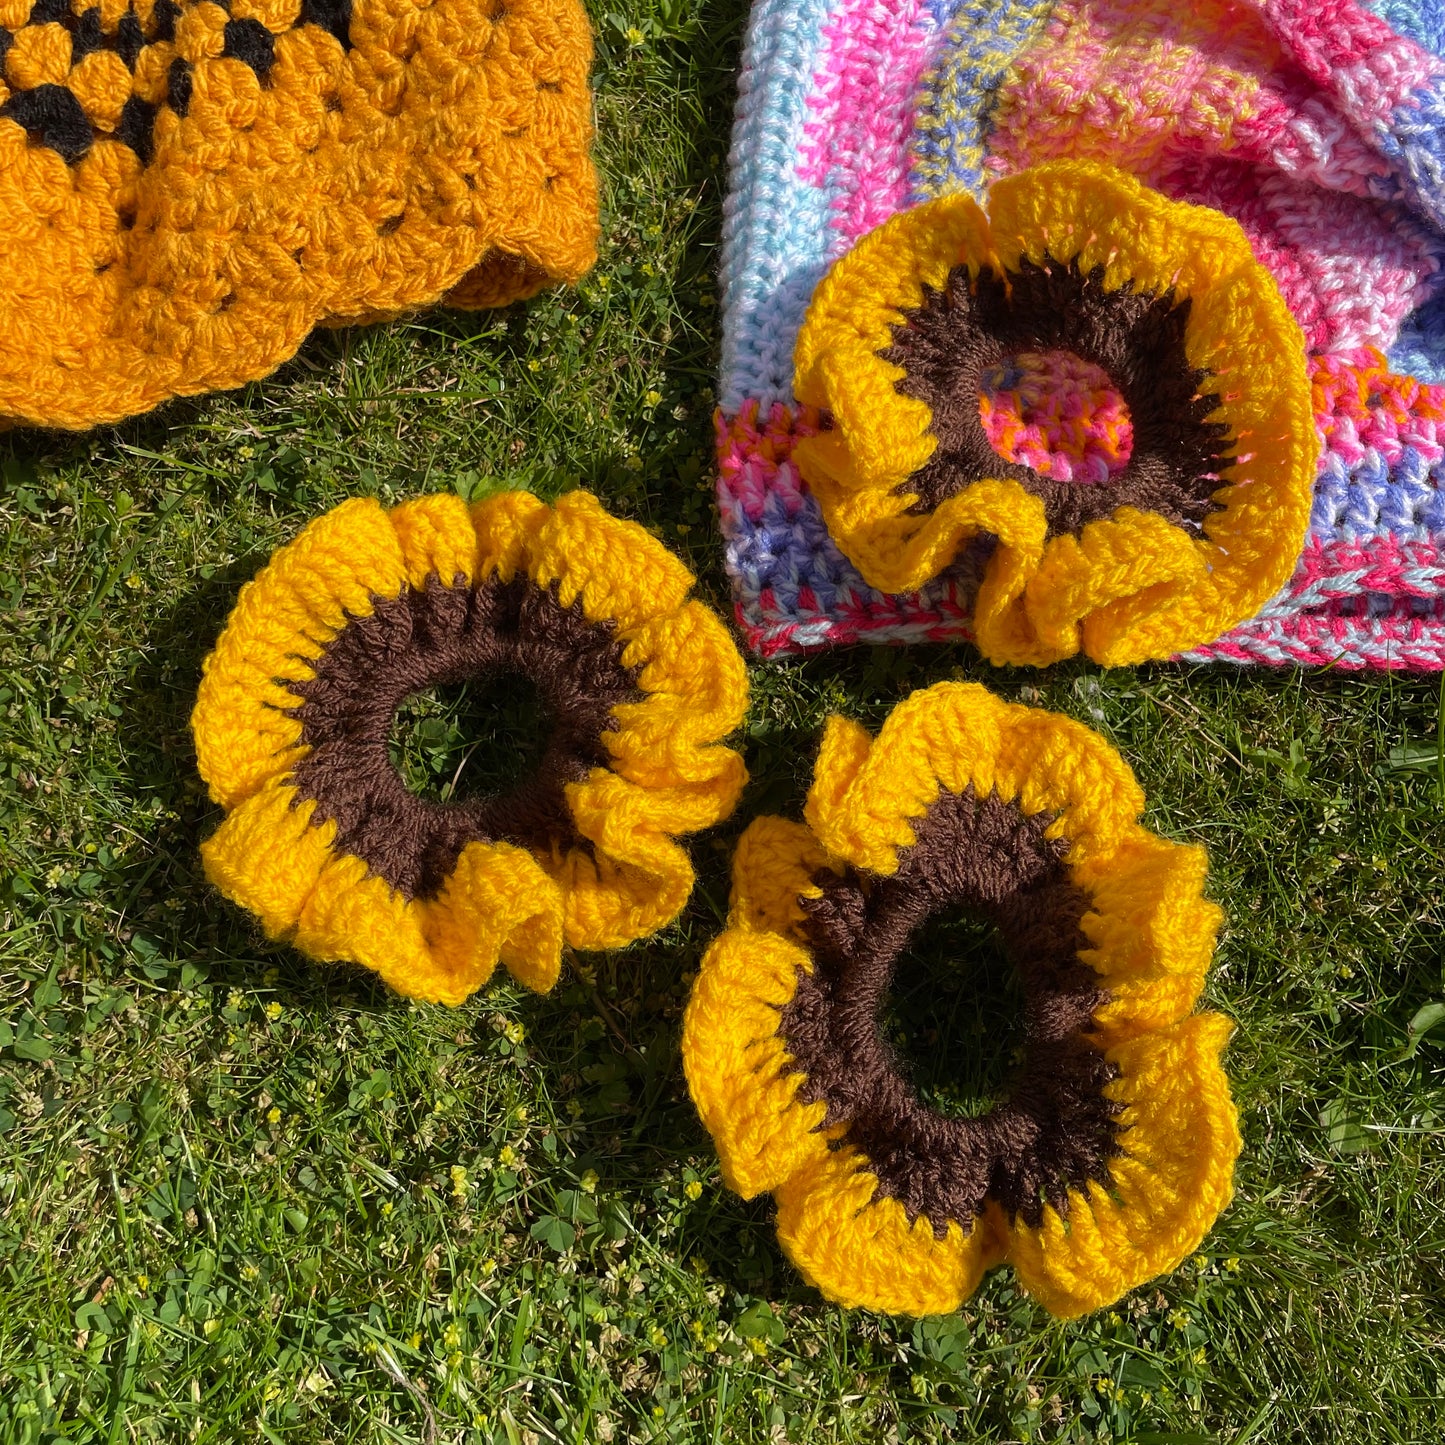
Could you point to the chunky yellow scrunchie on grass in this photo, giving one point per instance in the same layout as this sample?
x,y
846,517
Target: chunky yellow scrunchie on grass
x,y
322,840
1206,519
187,188
1113,1152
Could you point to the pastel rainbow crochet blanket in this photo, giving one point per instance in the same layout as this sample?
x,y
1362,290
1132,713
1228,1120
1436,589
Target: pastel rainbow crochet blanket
x,y
1318,125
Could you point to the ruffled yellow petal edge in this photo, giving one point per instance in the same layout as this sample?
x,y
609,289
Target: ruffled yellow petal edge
x,y
269,857
882,436
1151,930
737,1065
1150,934
957,735
334,570
672,774
860,1250
1128,588
1181,1140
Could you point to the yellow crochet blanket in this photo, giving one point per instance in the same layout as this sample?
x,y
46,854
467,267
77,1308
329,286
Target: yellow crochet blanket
x,y
186,189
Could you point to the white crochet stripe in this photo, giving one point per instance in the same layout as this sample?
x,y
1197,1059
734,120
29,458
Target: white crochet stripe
x,y
775,224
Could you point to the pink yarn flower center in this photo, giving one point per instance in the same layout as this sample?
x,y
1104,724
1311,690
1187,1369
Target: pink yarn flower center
x,y
1058,414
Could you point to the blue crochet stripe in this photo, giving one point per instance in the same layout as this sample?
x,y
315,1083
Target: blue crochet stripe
x,y
1405,498
1422,21
958,94
1419,350
785,554
1413,140
775,226
790,554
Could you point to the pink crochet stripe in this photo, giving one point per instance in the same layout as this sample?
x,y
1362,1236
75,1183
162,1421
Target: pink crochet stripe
x,y
1345,49
1058,414
862,105
1383,566
749,456
1416,645
1351,605
914,626
1387,644
1361,405
1350,276
1311,642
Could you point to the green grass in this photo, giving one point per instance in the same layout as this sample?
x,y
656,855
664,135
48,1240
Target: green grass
x,y
231,1200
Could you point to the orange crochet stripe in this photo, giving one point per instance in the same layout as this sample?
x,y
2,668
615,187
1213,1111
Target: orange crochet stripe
x,y
187,189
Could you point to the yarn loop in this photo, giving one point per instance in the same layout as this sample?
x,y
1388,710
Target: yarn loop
x,y
323,841
1113,1151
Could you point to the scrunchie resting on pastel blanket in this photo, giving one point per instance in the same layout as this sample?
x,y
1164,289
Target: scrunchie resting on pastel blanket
x,y
322,839
1315,126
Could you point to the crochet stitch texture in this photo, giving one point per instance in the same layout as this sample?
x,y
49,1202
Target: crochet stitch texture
x,y
1202,521
188,188
322,840
1113,1151
1316,127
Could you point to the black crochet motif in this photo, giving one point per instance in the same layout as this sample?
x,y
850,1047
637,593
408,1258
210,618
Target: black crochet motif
x,y
51,115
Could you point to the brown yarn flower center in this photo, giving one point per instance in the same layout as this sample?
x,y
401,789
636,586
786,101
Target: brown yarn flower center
x,y
438,635
948,345
1055,1129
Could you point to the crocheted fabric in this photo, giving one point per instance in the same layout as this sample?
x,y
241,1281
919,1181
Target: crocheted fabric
x,y
1202,521
1316,127
1113,1151
186,188
323,841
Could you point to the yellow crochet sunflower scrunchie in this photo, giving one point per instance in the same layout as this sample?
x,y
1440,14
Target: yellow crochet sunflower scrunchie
x,y
1207,516
187,188
322,840
1113,1152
